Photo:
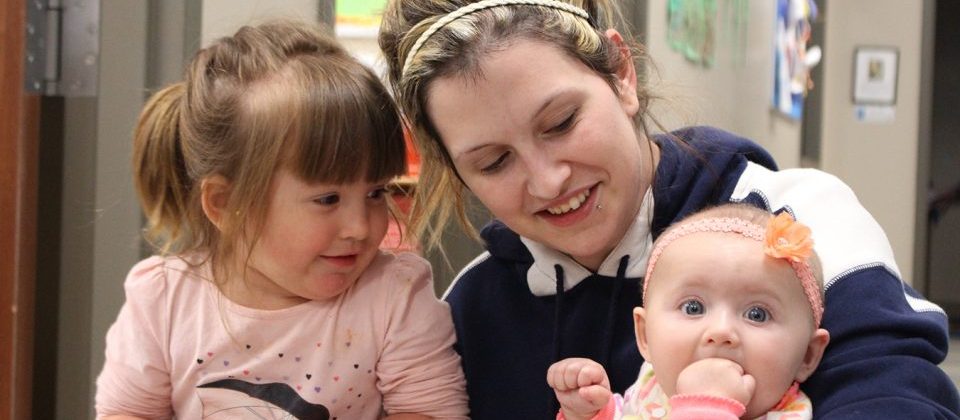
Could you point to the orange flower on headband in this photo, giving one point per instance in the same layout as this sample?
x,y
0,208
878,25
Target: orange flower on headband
x,y
788,239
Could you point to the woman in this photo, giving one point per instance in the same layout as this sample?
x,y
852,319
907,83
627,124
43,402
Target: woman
x,y
534,107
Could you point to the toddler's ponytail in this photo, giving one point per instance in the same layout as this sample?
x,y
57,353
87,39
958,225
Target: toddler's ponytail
x,y
160,174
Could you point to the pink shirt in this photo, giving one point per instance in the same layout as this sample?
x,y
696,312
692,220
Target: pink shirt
x,y
180,348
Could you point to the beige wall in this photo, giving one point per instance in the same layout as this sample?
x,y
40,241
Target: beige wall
x,y
877,160
735,92
223,17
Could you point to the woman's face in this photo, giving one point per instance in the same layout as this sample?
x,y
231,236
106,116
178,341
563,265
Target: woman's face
x,y
547,145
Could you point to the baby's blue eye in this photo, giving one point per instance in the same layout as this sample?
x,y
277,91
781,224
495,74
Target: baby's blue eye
x,y
757,314
692,307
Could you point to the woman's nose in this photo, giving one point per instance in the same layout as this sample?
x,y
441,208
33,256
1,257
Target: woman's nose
x,y
546,176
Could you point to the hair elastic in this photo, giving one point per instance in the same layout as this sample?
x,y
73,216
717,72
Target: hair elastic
x,y
480,5
783,238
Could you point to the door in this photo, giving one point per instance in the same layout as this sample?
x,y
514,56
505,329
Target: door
x,y
19,111
943,248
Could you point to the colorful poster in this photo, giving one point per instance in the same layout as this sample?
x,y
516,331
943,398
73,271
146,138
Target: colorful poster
x,y
358,18
793,59
691,29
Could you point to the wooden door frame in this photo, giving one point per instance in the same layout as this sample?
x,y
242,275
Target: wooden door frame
x,y
19,114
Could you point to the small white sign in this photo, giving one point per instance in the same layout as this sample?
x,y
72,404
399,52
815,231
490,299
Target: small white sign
x,y
875,113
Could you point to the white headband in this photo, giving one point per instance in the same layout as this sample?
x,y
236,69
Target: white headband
x,y
480,5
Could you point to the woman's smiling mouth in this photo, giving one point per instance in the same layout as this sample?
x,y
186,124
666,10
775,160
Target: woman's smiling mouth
x,y
573,210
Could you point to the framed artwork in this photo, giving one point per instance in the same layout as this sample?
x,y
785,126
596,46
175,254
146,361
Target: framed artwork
x,y
875,75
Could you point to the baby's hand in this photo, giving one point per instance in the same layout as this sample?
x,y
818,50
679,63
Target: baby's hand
x,y
582,387
718,377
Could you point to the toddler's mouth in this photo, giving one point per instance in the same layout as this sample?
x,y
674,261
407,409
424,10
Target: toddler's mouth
x,y
342,260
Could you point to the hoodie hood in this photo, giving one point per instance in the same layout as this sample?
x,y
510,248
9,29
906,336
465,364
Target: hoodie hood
x,y
703,168
635,243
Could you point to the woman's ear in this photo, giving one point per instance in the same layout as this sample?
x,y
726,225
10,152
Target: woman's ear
x,y
626,74
815,348
214,194
639,327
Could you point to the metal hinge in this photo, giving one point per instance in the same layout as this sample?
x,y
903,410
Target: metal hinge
x,y
63,47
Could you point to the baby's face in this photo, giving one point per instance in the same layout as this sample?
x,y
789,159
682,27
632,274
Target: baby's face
x,y
717,295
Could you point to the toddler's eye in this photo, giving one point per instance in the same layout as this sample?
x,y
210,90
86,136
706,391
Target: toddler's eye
x,y
757,314
692,307
327,200
377,193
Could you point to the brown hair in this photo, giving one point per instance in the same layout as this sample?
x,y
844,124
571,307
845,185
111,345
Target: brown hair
x,y
281,94
457,49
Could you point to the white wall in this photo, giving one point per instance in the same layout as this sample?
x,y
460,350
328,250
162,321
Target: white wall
x,y
735,92
877,160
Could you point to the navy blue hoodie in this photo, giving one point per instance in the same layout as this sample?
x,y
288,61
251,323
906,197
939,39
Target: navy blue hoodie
x,y
521,306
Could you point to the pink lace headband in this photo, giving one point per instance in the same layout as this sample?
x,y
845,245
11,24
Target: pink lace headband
x,y
782,238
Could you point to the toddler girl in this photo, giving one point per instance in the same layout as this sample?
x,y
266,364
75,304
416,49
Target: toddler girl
x,y
262,176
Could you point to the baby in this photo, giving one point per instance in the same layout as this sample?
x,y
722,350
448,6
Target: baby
x,y
733,300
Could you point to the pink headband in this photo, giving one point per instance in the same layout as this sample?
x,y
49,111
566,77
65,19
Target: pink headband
x,y
782,238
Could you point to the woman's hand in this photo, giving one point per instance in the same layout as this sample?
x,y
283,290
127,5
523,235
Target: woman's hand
x,y
581,385
717,377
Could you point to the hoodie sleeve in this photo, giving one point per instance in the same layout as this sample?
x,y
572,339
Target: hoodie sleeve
x,y
885,339
885,345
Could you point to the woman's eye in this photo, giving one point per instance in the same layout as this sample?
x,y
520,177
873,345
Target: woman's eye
x,y
757,314
564,125
327,200
692,307
496,165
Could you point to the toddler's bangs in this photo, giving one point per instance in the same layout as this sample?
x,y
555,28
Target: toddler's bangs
x,y
346,126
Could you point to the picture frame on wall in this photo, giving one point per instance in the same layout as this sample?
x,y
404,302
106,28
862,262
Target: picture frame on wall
x,y
875,75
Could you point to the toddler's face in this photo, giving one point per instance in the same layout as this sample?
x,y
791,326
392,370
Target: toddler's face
x,y
717,295
317,239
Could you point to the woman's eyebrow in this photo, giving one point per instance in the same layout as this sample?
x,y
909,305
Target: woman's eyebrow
x,y
458,154
551,98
